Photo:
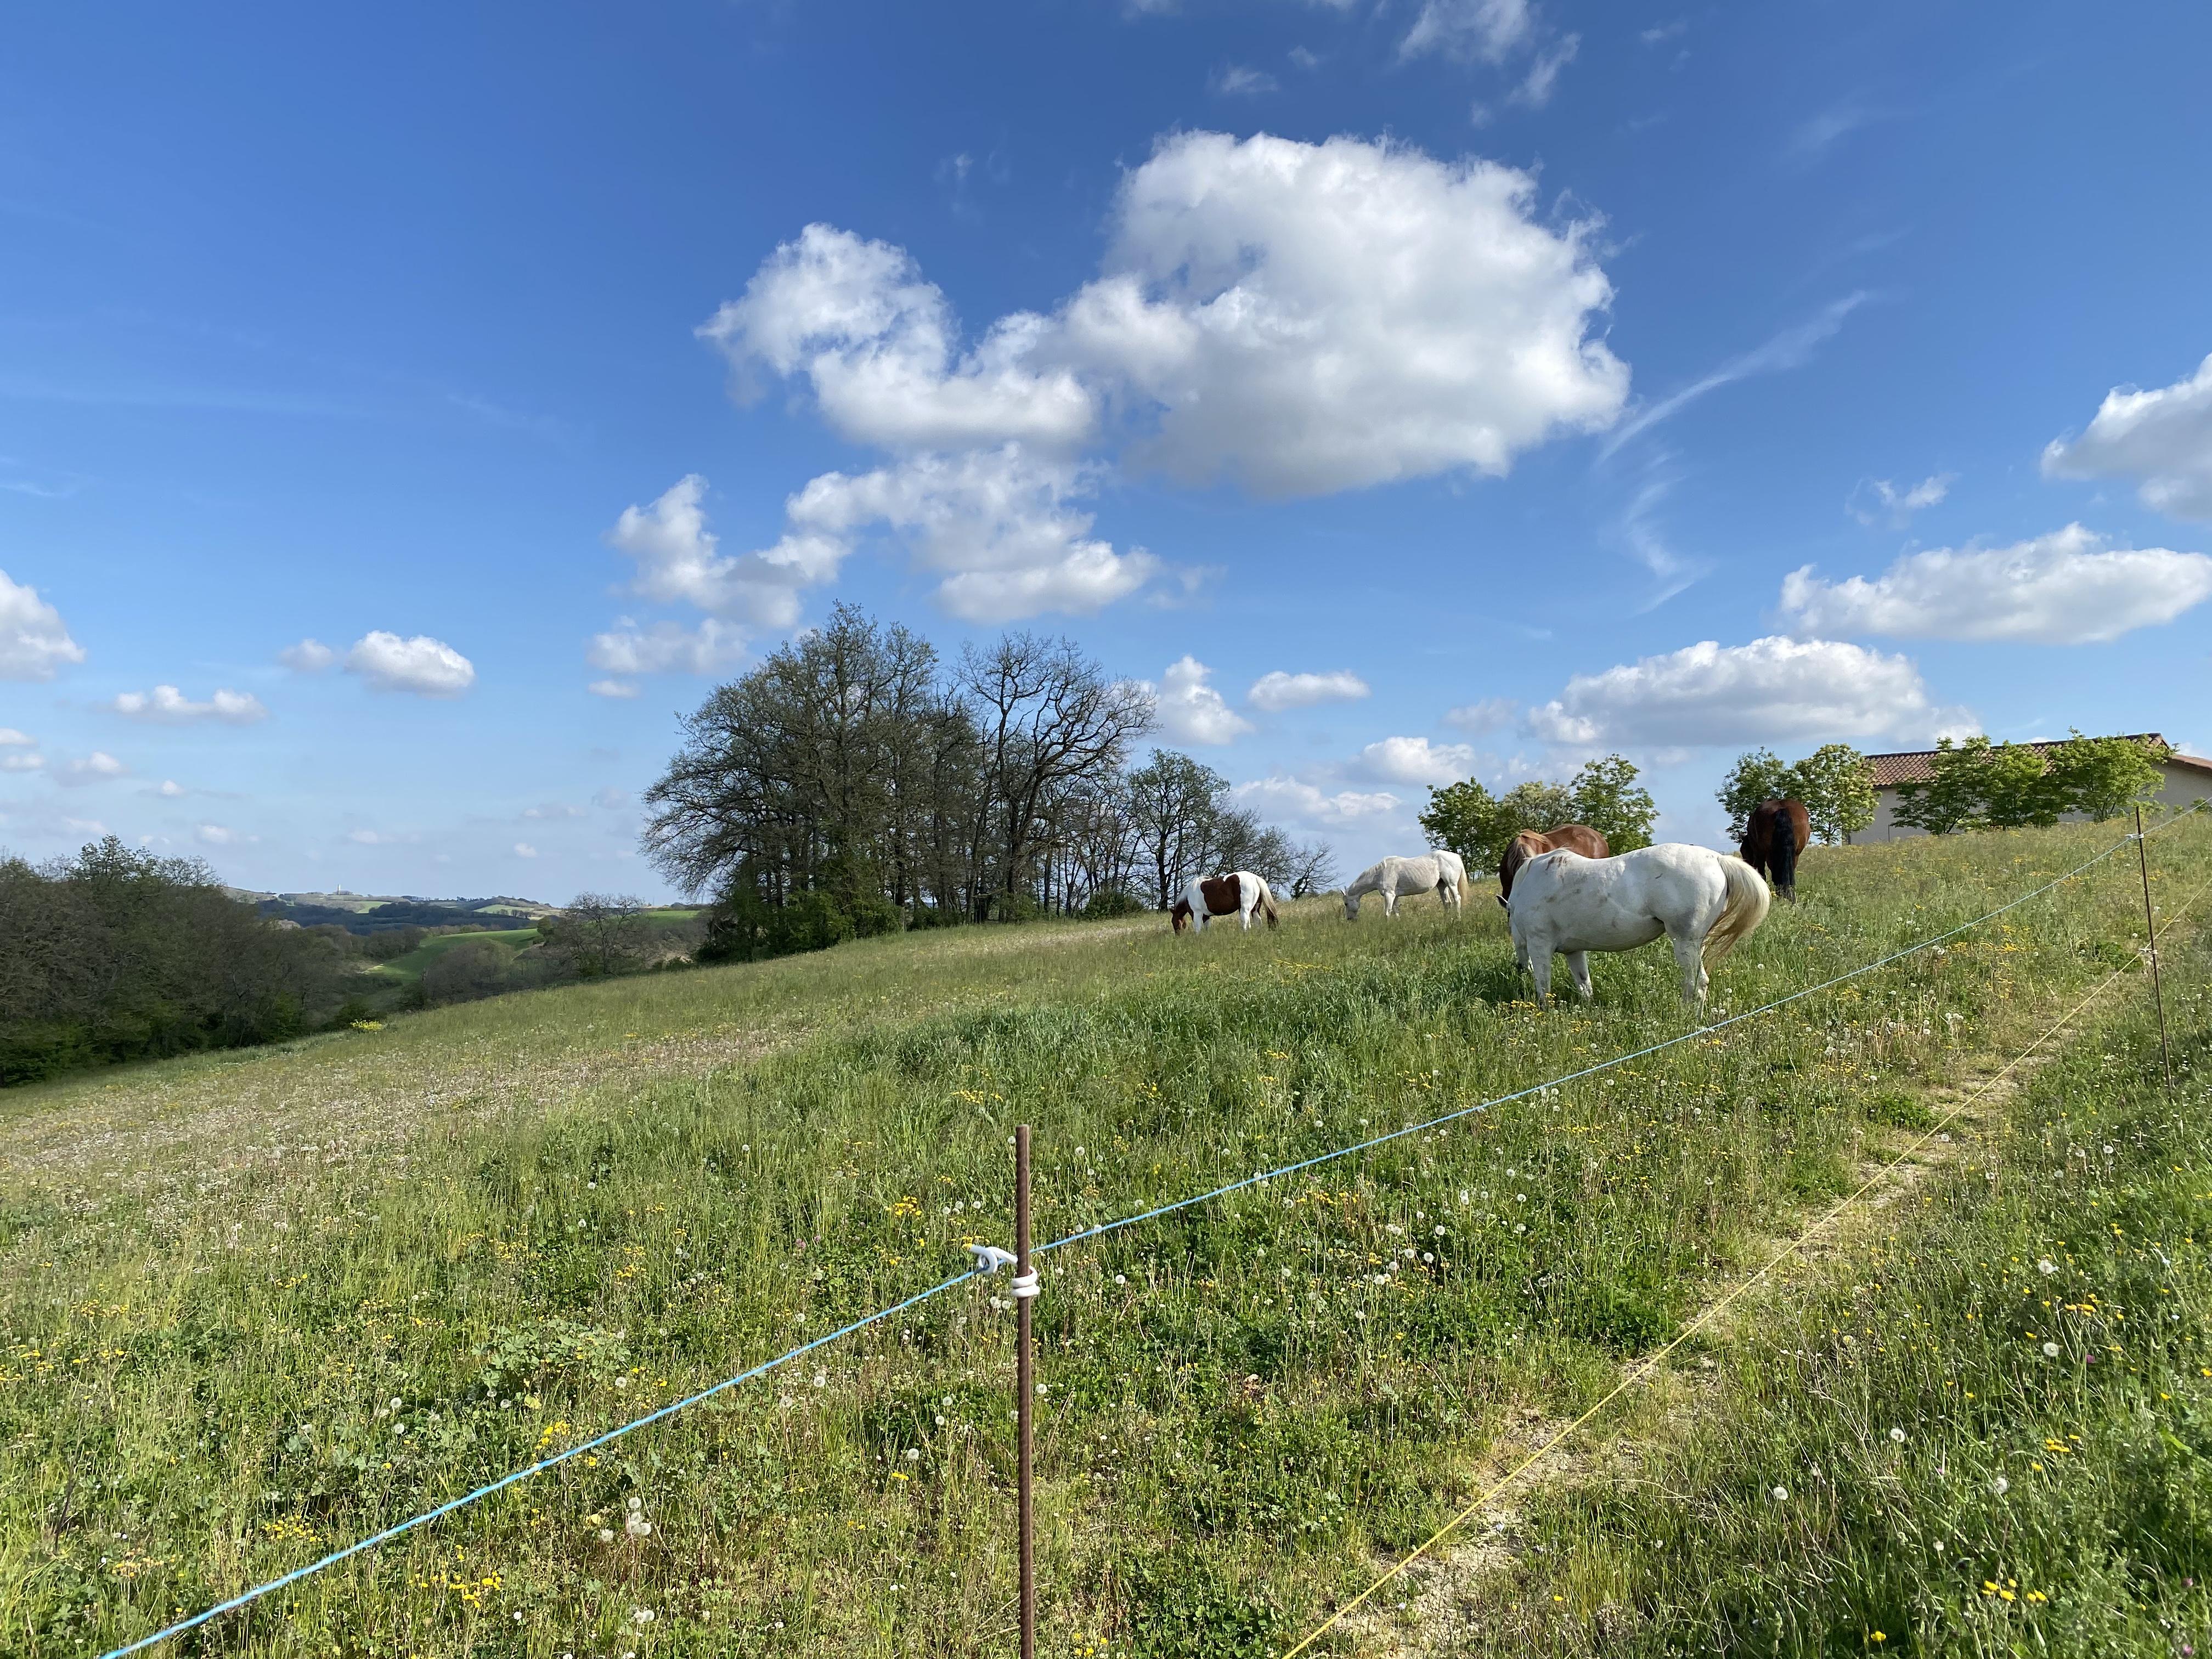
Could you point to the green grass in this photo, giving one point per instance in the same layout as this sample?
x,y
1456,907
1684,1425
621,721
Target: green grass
x,y
530,1219
1988,1429
408,968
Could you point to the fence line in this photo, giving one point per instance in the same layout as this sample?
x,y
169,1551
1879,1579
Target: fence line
x,y
486,1490
1603,1064
1648,1366
766,1366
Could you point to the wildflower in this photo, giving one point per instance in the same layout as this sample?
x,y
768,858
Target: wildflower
x,y
914,1453
638,1526
1898,1434
2001,1485
2046,1266
1120,1278
641,1615
2051,1350
821,1379
1440,1232
1781,1494
606,1535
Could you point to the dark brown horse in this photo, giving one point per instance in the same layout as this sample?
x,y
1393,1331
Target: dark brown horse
x,y
1777,830
1574,837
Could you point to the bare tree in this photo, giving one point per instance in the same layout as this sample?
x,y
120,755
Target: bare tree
x,y
1046,713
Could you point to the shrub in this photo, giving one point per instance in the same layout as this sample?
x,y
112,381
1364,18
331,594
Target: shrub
x,y
1110,902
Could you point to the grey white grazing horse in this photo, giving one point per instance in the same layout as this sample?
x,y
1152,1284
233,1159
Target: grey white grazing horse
x,y
1705,902
1439,873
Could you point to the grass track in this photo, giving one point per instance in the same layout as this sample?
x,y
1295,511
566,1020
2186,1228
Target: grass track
x,y
530,1219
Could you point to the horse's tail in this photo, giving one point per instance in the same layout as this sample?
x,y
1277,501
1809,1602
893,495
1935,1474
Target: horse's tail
x,y
1267,902
1741,915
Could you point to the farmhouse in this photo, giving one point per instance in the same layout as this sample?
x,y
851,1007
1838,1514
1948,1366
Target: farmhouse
x,y
2188,779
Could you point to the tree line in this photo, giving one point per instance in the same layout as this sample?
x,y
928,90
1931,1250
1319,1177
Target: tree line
x,y
856,782
1478,825
119,955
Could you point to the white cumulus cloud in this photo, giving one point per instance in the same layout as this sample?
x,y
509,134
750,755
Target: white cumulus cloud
x,y
679,560
1489,715
2065,588
611,689
427,667
17,762
1771,690
33,643
1190,710
880,347
999,524
11,738
98,767
1300,318
1311,318
309,656
523,850
1278,691
216,835
628,648
2161,438
167,706
1292,800
1416,760
1878,501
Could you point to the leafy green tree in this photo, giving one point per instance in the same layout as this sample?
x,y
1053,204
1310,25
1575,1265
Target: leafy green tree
x,y
1606,796
1756,776
2102,777
1477,824
1835,785
1953,796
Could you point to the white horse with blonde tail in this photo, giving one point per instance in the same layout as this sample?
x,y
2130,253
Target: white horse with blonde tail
x,y
1705,902
1439,873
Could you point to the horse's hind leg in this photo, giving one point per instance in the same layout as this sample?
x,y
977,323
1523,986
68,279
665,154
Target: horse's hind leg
x,y
1540,969
1578,971
1689,958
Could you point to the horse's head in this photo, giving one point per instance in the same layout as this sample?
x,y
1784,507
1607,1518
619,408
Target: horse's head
x,y
1350,905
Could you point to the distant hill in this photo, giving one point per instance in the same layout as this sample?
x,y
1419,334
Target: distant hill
x,y
370,913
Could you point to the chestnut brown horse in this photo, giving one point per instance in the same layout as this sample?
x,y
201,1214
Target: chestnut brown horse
x,y
1575,837
1777,830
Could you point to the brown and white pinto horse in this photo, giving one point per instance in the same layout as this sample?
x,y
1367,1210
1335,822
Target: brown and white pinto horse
x,y
1575,837
1239,893
1778,831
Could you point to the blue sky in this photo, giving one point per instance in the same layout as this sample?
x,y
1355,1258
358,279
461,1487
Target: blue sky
x,y
1513,382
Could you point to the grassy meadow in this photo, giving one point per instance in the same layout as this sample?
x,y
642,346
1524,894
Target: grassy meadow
x,y
256,1305
408,967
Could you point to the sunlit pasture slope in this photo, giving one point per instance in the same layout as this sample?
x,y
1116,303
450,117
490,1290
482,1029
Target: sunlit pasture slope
x,y
258,1306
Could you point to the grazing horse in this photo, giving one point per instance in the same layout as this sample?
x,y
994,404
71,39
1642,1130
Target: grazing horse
x,y
1776,832
1439,873
1236,893
1575,837
1705,902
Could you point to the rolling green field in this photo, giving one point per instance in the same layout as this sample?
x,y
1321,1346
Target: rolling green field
x,y
256,1305
409,968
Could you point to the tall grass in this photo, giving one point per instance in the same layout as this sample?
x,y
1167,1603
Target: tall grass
x,y
1988,1430
249,1312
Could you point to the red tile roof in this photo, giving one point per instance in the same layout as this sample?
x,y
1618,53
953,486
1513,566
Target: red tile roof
x,y
1918,765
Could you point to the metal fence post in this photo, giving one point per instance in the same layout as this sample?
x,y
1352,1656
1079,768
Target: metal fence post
x,y
2150,931
1024,1391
